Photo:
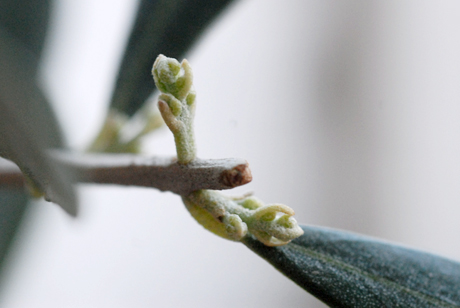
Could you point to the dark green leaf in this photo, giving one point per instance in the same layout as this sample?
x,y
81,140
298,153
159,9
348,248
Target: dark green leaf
x,y
347,270
26,21
162,26
13,202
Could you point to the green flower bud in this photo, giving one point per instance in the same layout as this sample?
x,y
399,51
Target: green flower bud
x,y
172,77
177,103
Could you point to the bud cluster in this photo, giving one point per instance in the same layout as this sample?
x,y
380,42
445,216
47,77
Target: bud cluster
x,y
231,218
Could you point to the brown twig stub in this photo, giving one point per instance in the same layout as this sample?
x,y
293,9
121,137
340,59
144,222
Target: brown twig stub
x,y
237,176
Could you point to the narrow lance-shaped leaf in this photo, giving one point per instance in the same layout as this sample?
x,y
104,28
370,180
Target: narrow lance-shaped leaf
x,y
347,270
162,26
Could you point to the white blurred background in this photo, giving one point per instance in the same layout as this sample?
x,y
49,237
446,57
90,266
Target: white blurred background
x,y
347,111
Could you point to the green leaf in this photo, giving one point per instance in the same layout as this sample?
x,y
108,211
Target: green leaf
x,y
348,270
162,26
28,127
26,21
13,202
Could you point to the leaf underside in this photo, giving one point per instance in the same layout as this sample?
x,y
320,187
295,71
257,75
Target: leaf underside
x,y
15,22
347,270
27,124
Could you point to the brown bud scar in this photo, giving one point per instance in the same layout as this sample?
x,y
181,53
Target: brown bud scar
x,y
237,176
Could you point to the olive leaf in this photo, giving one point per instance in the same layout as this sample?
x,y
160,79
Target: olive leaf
x,y
27,124
347,270
162,26
13,202
26,21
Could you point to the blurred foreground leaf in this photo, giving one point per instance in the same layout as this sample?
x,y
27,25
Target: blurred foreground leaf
x,y
27,124
162,26
12,206
26,21
347,270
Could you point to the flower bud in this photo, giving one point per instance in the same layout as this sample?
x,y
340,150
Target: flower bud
x,y
172,77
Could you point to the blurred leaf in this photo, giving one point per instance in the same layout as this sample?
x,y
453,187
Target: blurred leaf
x,y
162,26
347,270
26,21
27,124
12,206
